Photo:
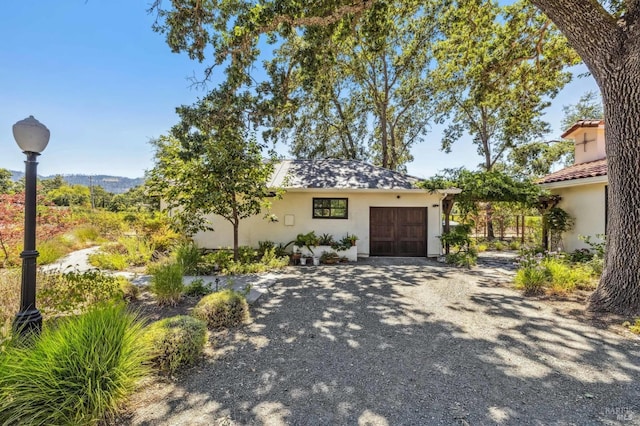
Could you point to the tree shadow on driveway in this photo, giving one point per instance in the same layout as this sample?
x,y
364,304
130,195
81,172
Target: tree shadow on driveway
x,y
402,343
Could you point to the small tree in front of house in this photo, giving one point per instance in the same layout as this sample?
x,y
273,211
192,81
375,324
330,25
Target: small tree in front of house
x,y
211,163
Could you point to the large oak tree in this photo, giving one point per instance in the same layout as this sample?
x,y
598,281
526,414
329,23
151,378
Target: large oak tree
x,y
607,38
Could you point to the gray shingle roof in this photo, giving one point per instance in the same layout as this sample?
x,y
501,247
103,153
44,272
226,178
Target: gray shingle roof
x,y
337,174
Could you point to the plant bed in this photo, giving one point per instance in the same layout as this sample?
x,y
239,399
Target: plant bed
x,y
351,254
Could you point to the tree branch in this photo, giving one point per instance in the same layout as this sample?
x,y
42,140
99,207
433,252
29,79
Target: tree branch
x,y
582,22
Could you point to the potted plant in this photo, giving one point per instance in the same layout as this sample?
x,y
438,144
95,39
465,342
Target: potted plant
x,y
352,238
295,256
329,258
325,240
306,259
307,240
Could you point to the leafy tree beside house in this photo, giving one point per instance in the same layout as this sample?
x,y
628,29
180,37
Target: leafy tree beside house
x,y
211,163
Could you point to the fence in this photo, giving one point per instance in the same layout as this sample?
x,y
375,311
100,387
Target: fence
x,y
522,228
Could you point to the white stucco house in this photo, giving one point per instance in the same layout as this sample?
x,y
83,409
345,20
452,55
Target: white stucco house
x,y
582,187
383,208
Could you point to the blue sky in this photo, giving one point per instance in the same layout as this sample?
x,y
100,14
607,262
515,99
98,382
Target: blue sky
x,y
104,84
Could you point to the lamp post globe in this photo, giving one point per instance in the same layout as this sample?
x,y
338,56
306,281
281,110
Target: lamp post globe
x,y
32,137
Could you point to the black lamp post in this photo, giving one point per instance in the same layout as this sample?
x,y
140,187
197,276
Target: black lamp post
x,y
32,138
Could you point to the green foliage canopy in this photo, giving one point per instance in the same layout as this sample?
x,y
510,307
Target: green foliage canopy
x,y
212,164
588,107
6,184
497,68
364,93
484,186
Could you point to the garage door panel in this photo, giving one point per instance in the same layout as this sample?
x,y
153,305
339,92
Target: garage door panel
x,y
383,248
410,248
385,232
410,232
398,231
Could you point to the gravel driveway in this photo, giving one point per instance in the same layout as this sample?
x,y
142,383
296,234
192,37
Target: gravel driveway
x,y
404,341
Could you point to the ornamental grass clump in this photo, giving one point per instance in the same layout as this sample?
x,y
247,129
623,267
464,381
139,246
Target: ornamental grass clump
x,y
565,278
78,372
547,272
225,308
189,256
531,279
175,342
531,276
167,284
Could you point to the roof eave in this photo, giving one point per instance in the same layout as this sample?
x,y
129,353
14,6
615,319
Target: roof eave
x,y
581,124
575,182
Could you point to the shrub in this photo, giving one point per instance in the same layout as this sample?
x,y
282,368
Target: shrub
x,y
73,292
76,373
107,223
247,254
481,248
635,327
129,291
221,258
271,260
50,251
596,265
111,261
531,279
87,234
166,283
129,251
138,250
59,294
9,300
514,245
175,342
462,259
565,278
580,256
458,238
225,308
264,246
596,248
197,288
498,246
545,271
188,255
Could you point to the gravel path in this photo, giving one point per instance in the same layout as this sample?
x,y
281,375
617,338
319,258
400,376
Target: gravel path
x,y
79,261
403,341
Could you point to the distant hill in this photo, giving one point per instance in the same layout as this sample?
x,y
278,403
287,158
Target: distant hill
x,y
114,184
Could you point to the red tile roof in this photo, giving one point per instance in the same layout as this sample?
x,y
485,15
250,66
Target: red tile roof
x,y
577,171
582,123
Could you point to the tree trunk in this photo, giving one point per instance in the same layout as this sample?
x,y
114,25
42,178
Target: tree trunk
x,y
619,288
236,225
610,47
489,210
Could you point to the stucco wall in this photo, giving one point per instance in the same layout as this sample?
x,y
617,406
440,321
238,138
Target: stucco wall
x,y
586,204
299,204
590,151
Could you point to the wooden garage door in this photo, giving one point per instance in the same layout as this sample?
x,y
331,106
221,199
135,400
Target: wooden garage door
x,y
398,231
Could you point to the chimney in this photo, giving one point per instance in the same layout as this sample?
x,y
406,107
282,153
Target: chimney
x,y
588,139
